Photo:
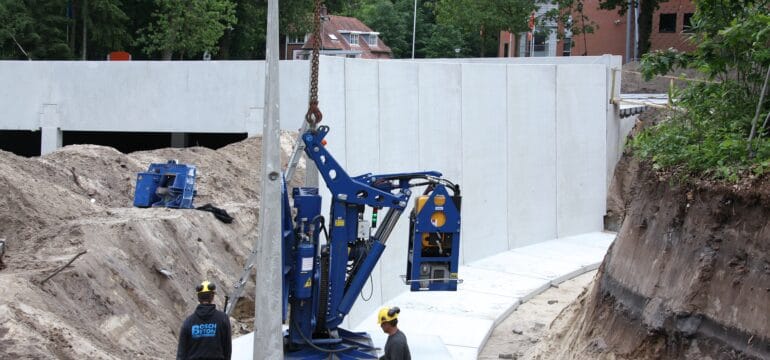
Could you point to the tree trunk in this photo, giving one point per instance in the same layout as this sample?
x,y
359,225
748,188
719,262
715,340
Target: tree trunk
x,y
73,30
224,45
85,29
481,39
646,12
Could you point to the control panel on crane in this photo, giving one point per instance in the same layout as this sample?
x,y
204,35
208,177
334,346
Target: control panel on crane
x,y
326,262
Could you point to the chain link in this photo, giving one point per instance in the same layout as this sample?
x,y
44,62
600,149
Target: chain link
x,y
314,115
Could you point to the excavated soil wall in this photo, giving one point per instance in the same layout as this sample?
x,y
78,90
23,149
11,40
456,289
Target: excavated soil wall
x,y
117,301
687,277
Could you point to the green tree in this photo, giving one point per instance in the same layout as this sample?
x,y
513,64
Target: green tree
x,y
723,129
384,17
97,27
485,18
444,40
33,30
187,27
14,21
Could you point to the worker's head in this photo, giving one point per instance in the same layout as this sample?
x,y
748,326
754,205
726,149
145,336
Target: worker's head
x,y
206,291
388,318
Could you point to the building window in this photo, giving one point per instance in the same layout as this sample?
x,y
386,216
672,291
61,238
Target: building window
x,y
297,39
667,23
333,37
567,51
372,40
352,38
687,23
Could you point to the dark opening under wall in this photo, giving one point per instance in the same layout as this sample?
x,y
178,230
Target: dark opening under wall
x,y
127,142
20,142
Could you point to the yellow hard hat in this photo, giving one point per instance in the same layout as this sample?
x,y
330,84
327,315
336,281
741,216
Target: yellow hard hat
x,y
205,287
388,314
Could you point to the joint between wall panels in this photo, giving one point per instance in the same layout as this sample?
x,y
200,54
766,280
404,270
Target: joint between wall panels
x,y
556,148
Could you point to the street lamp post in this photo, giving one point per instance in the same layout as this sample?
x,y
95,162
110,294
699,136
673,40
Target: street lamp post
x,y
414,26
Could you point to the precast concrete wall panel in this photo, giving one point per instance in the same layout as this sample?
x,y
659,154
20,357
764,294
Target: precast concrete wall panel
x,y
97,97
581,148
362,112
440,125
399,147
331,101
531,166
26,86
294,82
557,60
363,154
484,153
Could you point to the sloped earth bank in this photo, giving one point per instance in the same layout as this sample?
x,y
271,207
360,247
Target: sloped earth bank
x,y
688,276
113,302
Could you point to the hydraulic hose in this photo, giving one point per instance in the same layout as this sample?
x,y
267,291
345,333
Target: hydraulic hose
x,y
314,346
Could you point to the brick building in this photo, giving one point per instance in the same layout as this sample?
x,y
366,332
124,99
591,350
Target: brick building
x,y
669,29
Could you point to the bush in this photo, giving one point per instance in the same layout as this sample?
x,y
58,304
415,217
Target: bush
x,y
710,136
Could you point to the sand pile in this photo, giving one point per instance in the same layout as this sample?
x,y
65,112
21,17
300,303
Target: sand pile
x,y
114,302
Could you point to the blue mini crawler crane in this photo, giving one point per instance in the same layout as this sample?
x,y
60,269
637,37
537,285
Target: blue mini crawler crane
x,y
323,275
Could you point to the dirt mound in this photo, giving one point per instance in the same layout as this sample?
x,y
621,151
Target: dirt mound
x,y
688,276
117,300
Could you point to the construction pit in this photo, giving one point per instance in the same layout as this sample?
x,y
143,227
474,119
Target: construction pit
x,y
687,275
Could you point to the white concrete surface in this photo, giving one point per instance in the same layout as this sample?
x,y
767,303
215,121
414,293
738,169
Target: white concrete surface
x,y
456,325
492,288
427,347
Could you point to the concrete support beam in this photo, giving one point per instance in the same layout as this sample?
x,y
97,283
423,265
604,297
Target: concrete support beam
x,y
268,341
50,131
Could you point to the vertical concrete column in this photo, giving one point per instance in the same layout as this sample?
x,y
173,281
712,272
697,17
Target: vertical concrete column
x,y
268,339
50,131
178,140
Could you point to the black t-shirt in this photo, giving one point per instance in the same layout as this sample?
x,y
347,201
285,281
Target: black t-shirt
x,y
396,347
205,335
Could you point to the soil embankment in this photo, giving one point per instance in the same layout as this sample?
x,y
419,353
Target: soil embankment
x,y
688,276
114,302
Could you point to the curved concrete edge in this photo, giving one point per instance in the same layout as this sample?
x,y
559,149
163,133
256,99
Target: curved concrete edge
x,y
458,324
492,288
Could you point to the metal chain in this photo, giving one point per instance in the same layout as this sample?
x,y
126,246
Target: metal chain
x,y
314,115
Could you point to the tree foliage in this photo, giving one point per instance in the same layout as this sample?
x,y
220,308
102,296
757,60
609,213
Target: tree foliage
x,y
37,28
723,130
187,27
485,18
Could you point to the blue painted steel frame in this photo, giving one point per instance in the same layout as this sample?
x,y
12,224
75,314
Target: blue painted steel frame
x,y
423,224
350,196
179,192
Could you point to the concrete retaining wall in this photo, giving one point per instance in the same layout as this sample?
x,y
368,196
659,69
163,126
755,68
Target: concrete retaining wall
x,y
531,141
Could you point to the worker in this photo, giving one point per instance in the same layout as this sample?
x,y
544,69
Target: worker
x,y
206,333
396,347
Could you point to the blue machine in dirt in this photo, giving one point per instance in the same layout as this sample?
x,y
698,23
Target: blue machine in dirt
x,y
322,277
166,185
